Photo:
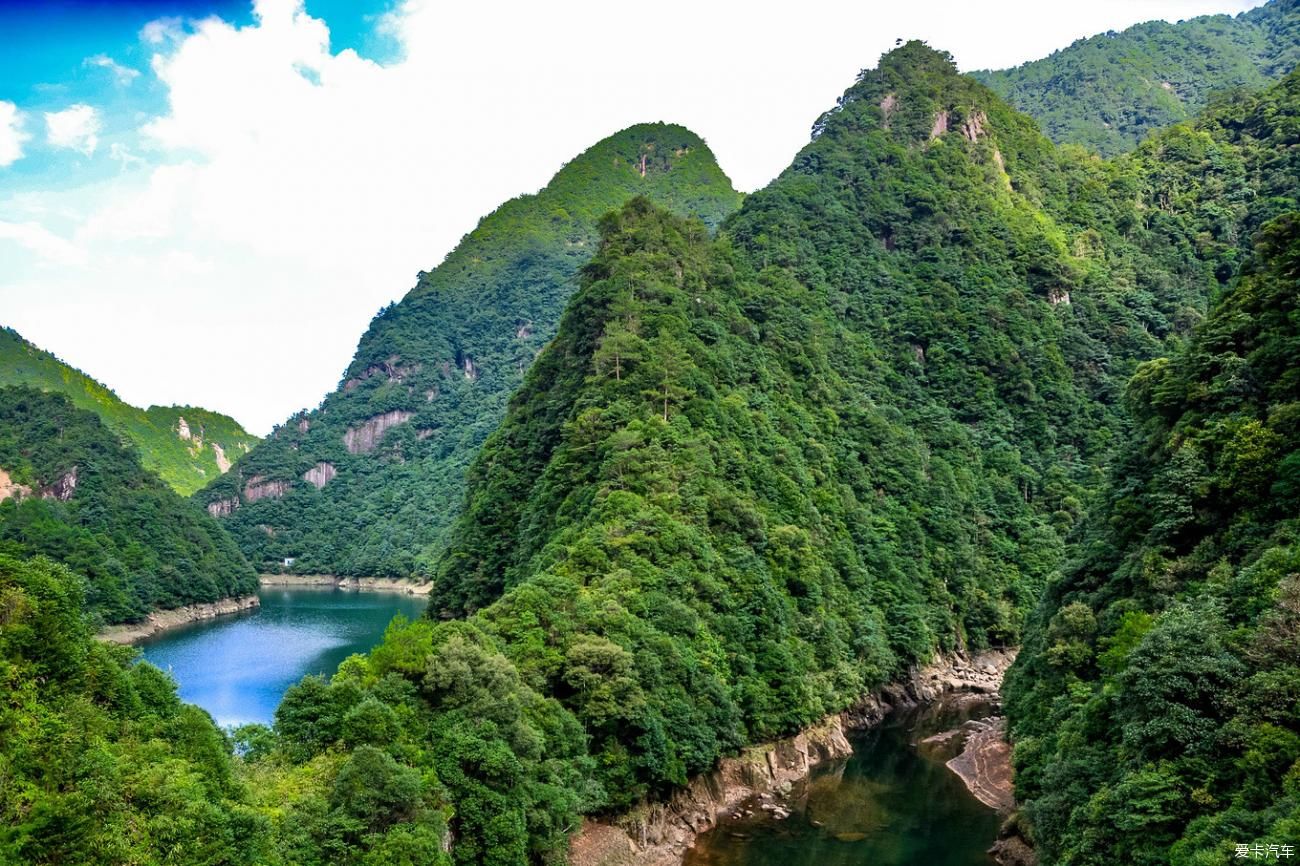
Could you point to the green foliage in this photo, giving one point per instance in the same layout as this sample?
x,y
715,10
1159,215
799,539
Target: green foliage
x,y
753,478
449,355
102,765
1185,736
89,504
186,446
375,763
1111,91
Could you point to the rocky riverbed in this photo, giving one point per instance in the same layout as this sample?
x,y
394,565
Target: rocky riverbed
x,y
659,834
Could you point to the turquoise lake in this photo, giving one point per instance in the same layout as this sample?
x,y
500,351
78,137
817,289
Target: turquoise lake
x,y
238,667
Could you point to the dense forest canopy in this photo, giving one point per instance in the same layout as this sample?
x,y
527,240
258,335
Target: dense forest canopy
x,y
1159,673
753,477
185,445
102,764
942,385
367,483
73,492
1110,91
1161,679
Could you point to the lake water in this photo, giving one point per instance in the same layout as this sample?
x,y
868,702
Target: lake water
x,y
238,667
889,804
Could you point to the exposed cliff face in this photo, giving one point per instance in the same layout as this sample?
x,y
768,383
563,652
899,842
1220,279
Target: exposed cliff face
x,y
63,487
258,487
391,369
9,488
223,507
658,834
366,435
984,762
320,474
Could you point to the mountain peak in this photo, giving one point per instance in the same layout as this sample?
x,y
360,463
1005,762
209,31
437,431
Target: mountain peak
x,y
431,376
915,93
915,56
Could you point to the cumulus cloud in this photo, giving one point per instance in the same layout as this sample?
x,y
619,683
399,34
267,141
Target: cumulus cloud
x,y
162,30
12,135
49,247
293,189
123,75
76,128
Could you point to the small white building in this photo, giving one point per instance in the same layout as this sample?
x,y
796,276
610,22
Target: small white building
x,y
288,561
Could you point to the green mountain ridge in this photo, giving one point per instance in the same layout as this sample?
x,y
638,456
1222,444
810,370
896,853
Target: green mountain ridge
x,y
367,483
76,494
1110,91
753,478
942,385
185,445
1160,676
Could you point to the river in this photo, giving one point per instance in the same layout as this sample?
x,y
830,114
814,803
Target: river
x,y
892,803
238,667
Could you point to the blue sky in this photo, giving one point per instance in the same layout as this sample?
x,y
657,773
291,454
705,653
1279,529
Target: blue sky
x,y
59,53
205,201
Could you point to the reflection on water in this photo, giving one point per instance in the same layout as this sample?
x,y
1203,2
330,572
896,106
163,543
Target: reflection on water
x,y
238,667
889,804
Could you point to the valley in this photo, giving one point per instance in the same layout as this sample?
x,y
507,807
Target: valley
x,y
936,502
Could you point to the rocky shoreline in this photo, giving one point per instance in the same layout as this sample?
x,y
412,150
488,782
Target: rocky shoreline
x,y
984,762
659,834
363,584
161,620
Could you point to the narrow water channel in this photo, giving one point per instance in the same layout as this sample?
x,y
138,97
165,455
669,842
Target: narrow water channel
x,y
238,667
891,803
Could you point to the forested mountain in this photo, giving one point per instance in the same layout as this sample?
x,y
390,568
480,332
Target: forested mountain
x,y
1156,704
1110,91
367,483
72,491
756,476
185,445
753,476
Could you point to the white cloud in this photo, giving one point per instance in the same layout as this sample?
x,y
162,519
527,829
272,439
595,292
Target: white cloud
x,y
122,154
123,75
12,135
162,31
49,247
293,190
76,128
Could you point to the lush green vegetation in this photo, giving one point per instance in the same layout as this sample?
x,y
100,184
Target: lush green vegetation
x,y
101,763
449,355
186,446
1109,92
753,477
1154,706
89,504
1157,703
